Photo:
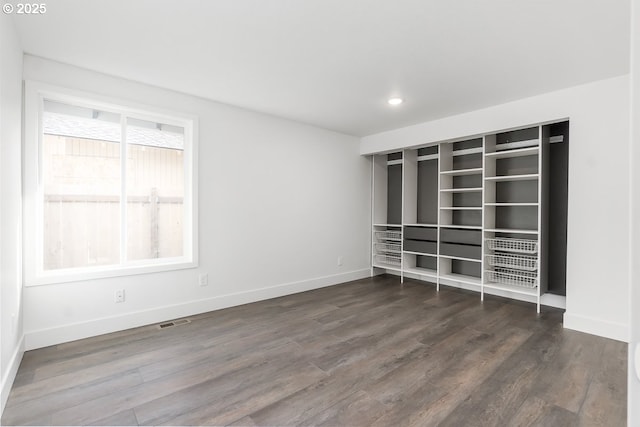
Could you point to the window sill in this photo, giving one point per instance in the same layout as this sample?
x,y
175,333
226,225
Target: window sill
x,y
87,274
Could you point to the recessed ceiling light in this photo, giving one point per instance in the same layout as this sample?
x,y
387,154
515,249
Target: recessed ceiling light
x,y
395,101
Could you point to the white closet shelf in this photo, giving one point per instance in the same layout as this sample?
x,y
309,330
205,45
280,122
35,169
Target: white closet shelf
x,y
461,190
518,152
421,225
460,172
387,266
388,225
462,227
461,208
514,289
459,258
470,280
527,177
518,144
512,204
428,157
510,230
422,272
466,151
556,139
419,253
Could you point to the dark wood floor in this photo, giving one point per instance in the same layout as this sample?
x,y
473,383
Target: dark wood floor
x,y
366,353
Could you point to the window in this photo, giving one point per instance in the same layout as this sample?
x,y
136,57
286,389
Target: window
x,y
114,190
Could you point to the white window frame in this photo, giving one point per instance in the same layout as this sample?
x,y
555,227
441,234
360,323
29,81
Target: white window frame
x,y
34,274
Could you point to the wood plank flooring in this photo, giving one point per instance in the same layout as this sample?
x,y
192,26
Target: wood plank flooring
x,y
364,353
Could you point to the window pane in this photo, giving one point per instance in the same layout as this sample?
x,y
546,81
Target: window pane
x,y
81,177
155,190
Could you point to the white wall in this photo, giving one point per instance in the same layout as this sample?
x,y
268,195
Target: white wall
x,y
279,202
11,345
634,144
597,261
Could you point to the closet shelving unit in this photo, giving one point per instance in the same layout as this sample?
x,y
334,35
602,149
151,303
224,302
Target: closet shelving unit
x,y
387,247
420,213
473,213
460,213
512,212
386,250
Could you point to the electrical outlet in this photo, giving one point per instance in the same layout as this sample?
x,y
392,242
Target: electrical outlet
x,y
119,295
203,279
339,261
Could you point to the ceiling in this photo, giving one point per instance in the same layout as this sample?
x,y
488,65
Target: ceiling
x,y
334,63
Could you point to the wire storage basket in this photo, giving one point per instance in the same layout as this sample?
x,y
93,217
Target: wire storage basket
x,y
523,246
388,259
388,247
508,276
389,235
516,262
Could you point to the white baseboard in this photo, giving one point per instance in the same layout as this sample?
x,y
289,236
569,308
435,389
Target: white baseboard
x,y
552,300
603,328
10,375
71,332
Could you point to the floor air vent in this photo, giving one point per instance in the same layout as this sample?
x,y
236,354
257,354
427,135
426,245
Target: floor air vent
x,y
173,323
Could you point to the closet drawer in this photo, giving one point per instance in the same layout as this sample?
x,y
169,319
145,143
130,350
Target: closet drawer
x,y
421,246
421,233
468,237
462,251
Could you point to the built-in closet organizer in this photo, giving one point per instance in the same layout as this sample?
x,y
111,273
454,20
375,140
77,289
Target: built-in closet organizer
x,y
487,213
420,212
387,212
